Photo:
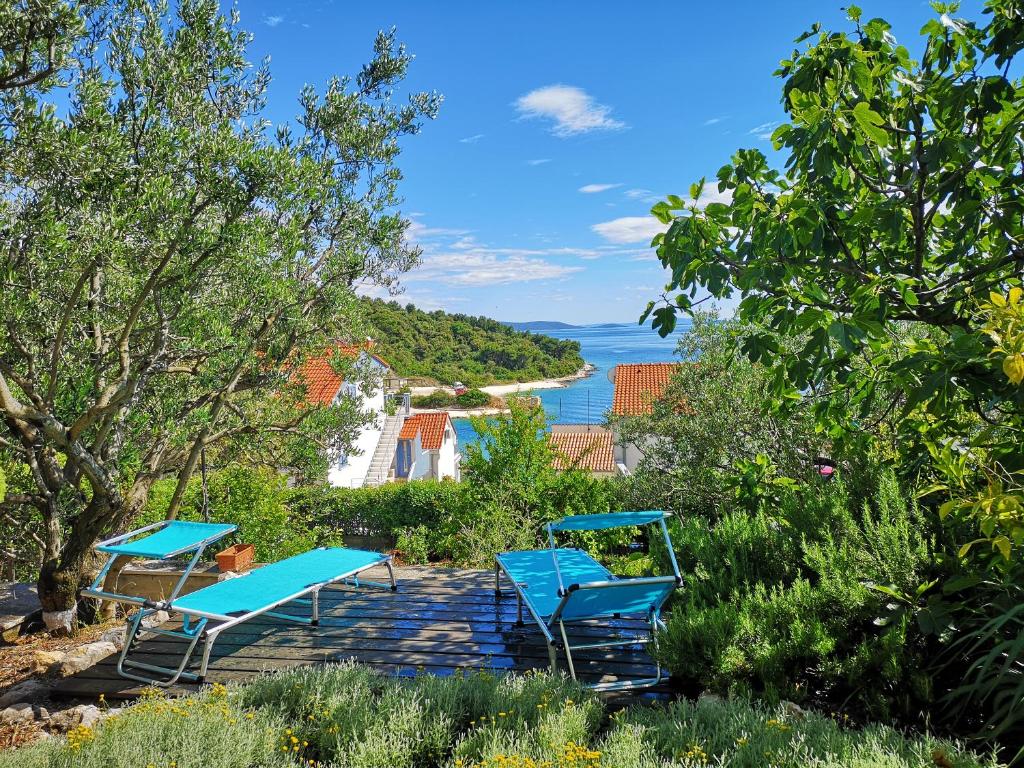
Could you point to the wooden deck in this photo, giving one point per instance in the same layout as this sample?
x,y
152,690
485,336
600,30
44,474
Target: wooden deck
x,y
440,621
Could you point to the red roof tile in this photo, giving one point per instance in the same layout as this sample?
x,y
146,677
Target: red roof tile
x,y
639,385
592,451
430,427
321,380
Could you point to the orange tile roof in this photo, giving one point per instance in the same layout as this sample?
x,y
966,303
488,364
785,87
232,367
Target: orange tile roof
x,y
321,380
639,385
592,451
430,426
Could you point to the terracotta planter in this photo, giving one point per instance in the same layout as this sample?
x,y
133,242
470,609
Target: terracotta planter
x,y
237,558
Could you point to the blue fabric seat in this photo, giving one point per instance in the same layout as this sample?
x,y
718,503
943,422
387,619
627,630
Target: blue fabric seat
x,y
559,585
533,571
175,538
275,582
233,601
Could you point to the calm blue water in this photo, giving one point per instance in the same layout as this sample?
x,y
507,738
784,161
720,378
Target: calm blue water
x,y
587,400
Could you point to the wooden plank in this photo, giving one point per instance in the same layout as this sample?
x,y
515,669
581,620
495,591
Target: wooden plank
x,y
438,623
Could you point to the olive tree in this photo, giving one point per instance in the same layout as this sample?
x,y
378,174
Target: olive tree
x,y
168,260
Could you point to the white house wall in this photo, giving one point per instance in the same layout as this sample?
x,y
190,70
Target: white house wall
x,y
353,473
447,458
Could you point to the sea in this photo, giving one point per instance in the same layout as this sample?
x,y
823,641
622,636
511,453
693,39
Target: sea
x,y
586,400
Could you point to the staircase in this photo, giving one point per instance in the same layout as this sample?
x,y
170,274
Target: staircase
x,y
384,454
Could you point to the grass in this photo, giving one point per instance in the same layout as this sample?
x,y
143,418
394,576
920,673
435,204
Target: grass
x,y
348,716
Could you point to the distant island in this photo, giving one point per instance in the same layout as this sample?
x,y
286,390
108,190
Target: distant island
x,y
541,325
441,348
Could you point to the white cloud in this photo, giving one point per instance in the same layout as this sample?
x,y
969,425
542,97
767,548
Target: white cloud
x,y
629,229
540,161
572,109
471,139
642,194
764,130
637,229
453,256
589,189
713,120
417,231
480,267
272,21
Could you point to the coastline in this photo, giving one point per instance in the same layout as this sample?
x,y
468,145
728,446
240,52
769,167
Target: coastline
x,y
499,390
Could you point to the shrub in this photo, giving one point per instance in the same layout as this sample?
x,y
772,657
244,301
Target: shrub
x,y
473,398
346,715
439,398
255,499
209,730
413,544
780,603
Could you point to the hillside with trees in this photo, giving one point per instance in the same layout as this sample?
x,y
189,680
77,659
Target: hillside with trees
x,y
454,347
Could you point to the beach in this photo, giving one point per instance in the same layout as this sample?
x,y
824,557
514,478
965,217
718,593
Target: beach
x,y
498,390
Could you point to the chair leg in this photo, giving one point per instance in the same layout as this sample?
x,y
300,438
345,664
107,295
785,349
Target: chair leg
x,y
497,580
568,649
174,674
391,575
315,620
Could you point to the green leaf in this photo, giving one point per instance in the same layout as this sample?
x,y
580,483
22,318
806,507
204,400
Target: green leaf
x,y
870,122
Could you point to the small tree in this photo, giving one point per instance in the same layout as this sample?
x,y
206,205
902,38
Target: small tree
x,y
512,464
168,261
712,423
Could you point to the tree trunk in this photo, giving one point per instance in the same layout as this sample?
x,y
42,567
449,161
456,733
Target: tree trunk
x,y
58,584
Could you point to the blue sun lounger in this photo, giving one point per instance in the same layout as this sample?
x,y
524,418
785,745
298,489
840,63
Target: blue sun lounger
x,y
563,585
226,603
255,593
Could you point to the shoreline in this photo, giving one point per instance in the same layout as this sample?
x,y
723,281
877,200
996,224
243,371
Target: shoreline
x,y
499,390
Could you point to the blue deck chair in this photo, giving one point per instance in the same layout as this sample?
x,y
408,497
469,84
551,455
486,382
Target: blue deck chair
x,y
258,592
563,585
166,540
227,603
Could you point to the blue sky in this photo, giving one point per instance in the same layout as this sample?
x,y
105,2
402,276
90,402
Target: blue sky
x,y
562,123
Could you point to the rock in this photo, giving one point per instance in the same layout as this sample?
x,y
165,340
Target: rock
x,y
84,657
114,636
156,619
42,713
83,714
19,713
90,715
28,690
65,720
44,661
793,710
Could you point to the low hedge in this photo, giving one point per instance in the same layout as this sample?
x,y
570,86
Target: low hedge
x,y
439,398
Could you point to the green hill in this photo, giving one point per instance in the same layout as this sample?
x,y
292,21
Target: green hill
x,y
475,350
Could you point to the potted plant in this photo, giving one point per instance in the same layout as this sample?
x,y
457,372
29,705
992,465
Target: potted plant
x,y
237,558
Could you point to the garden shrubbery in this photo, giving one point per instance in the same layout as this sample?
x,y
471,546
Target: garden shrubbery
x,y
440,398
350,717
429,520
782,602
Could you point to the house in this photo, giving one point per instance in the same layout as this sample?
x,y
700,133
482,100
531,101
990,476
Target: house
x,y
427,447
583,446
637,387
370,459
